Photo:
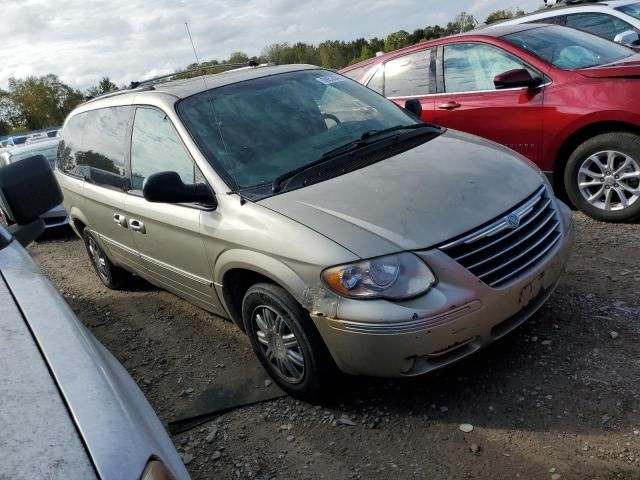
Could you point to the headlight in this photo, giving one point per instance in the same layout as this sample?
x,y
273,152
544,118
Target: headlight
x,y
394,277
156,470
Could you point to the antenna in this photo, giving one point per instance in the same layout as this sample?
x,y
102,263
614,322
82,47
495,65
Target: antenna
x,y
192,45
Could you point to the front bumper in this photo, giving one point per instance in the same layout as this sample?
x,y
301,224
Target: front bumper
x,y
457,317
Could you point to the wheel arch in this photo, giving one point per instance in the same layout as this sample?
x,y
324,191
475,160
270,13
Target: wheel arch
x,y
575,139
78,220
236,270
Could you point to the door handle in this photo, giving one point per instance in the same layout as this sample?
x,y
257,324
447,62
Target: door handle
x,y
450,105
120,219
137,226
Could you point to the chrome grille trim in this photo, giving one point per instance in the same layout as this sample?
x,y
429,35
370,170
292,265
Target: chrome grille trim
x,y
498,253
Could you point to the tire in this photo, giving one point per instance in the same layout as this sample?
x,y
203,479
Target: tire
x,y
299,362
113,277
603,170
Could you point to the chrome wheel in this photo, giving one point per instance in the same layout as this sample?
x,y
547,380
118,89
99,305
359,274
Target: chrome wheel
x,y
609,180
279,344
99,260
3,219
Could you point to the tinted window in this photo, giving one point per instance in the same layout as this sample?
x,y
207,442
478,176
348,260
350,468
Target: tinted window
x,y
557,20
70,143
256,130
633,9
377,81
567,48
601,24
408,75
156,147
104,144
355,73
470,67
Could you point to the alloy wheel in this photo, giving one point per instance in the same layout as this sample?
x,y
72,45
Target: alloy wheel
x,y
98,257
279,344
610,180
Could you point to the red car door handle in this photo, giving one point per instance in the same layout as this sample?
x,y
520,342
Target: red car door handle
x,y
450,105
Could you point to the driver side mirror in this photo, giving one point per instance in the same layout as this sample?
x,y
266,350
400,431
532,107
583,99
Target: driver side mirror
x,y
414,106
628,37
520,77
168,187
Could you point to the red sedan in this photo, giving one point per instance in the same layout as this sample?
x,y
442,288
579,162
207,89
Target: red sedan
x,y
567,100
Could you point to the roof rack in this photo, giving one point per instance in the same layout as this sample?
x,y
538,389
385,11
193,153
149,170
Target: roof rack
x,y
150,82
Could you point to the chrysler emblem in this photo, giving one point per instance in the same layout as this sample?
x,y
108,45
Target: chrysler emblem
x,y
512,220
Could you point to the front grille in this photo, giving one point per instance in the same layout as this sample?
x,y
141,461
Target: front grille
x,y
498,252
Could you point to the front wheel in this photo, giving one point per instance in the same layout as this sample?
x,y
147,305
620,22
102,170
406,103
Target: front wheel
x,y
286,342
602,177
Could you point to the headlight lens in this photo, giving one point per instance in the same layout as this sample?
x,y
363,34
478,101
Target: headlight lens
x,y
156,471
394,277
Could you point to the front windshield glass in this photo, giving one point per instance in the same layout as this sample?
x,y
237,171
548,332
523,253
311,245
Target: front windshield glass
x,y
567,48
259,129
633,10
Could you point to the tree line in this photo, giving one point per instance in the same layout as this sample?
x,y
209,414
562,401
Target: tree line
x,y
44,101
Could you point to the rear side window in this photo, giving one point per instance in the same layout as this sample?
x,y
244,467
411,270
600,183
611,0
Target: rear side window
x,y
93,146
408,75
601,24
156,147
557,20
70,143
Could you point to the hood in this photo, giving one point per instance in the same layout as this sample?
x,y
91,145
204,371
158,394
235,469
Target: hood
x,y
414,200
627,67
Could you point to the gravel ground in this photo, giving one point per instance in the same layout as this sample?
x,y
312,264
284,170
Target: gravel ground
x,y
556,399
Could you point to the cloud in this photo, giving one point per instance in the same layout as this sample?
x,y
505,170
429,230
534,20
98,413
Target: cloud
x,y
84,40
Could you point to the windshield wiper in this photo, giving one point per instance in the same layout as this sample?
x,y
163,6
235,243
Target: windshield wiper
x,y
278,183
375,133
362,141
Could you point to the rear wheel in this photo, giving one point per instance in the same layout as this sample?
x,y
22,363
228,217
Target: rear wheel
x,y
113,277
286,342
602,177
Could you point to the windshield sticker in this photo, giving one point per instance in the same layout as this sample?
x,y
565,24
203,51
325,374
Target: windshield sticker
x,y
329,79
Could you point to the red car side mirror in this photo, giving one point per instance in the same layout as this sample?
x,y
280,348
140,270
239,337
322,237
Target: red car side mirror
x,y
517,78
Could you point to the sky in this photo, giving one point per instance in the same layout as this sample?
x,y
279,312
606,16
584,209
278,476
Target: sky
x,y
83,40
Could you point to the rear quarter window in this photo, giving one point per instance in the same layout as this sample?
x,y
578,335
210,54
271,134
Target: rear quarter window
x,y
94,144
70,143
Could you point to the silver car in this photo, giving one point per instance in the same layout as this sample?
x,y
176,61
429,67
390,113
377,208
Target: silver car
x,y
68,409
57,216
615,20
333,227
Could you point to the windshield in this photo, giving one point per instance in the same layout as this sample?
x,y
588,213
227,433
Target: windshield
x,y
567,48
257,130
633,10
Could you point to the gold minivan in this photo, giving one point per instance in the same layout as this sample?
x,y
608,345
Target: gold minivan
x,y
332,226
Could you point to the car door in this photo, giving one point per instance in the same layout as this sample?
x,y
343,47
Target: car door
x,y
405,77
468,100
167,236
100,160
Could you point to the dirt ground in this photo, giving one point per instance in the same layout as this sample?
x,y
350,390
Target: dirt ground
x,y
557,399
